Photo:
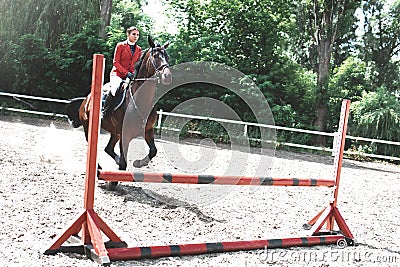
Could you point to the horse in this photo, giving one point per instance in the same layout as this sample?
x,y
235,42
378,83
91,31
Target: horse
x,y
153,67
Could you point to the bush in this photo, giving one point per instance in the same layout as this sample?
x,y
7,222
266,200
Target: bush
x,y
34,69
377,116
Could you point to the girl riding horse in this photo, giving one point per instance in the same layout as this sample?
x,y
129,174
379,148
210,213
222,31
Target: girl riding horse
x,y
152,67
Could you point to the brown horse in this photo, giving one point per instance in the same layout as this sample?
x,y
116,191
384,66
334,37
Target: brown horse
x,y
139,94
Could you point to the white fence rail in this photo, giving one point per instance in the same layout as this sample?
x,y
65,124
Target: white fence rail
x,y
162,113
246,124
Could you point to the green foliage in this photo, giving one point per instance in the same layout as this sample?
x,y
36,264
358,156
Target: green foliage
x,y
28,61
251,37
45,19
73,60
30,65
284,115
49,46
61,73
381,42
247,35
319,23
348,81
377,115
289,89
125,14
359,150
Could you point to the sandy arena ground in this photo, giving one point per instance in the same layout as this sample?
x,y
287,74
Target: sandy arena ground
x,y
42,187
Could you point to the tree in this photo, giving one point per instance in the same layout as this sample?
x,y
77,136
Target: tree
x,y
46,19
381,44
248,35
45,23
105,14
377,115
326,22
106,11
49,51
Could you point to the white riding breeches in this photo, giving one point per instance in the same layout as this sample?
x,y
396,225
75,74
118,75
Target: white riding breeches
x,y
114,83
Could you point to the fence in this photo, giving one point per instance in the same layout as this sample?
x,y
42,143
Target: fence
x,y
162,113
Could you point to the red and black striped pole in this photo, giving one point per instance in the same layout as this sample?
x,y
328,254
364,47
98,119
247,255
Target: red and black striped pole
x,y
126,176
218,247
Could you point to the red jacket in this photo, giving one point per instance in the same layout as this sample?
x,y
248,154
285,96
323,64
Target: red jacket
x,y
124,61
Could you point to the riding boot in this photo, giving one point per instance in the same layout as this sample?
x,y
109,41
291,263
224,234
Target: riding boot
x,y
108,105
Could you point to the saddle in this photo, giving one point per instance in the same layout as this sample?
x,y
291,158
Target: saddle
x,y
110,102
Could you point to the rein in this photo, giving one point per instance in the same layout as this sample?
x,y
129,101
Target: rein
x,y
144,119
155,78
145,79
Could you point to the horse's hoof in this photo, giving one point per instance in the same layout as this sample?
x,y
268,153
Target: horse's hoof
x,y
139,163
111,186
117,159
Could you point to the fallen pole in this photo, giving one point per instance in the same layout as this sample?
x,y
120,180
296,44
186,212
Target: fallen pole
x,y
218,247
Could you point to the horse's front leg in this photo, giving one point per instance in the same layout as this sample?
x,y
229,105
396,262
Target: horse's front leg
x,y
149,137
114,138
122,159
122,166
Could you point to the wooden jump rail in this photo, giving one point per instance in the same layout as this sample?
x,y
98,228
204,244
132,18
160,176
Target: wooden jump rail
x,y
91,226
205,248
126,176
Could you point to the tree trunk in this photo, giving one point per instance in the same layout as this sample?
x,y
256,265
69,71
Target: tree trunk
x,y
105,13
323,23
324,52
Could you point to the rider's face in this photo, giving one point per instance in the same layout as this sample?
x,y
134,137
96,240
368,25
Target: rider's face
x,y
133,36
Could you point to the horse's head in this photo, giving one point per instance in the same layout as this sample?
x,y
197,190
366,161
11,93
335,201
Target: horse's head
x,y
159,61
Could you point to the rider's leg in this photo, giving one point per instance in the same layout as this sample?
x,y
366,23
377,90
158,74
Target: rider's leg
x,y
109,102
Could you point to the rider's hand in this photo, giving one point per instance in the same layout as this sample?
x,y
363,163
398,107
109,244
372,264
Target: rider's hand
x,y
129,75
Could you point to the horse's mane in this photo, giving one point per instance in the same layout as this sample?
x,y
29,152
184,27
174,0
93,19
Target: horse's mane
x,y
137,67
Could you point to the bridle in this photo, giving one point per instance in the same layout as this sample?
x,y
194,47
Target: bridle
x,y
158,70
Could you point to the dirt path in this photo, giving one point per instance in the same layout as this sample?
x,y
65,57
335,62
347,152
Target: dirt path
x,y
42,186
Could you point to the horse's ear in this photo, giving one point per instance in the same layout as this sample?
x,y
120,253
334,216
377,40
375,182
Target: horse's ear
x,y
166,45
151,43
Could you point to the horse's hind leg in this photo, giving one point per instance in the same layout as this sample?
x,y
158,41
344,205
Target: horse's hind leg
x,y
110,148
85,125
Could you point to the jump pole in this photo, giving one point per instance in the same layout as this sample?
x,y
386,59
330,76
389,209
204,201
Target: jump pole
x,y
90,225
126,176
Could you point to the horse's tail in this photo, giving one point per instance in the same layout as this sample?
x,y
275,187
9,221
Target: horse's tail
x,y
72,111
